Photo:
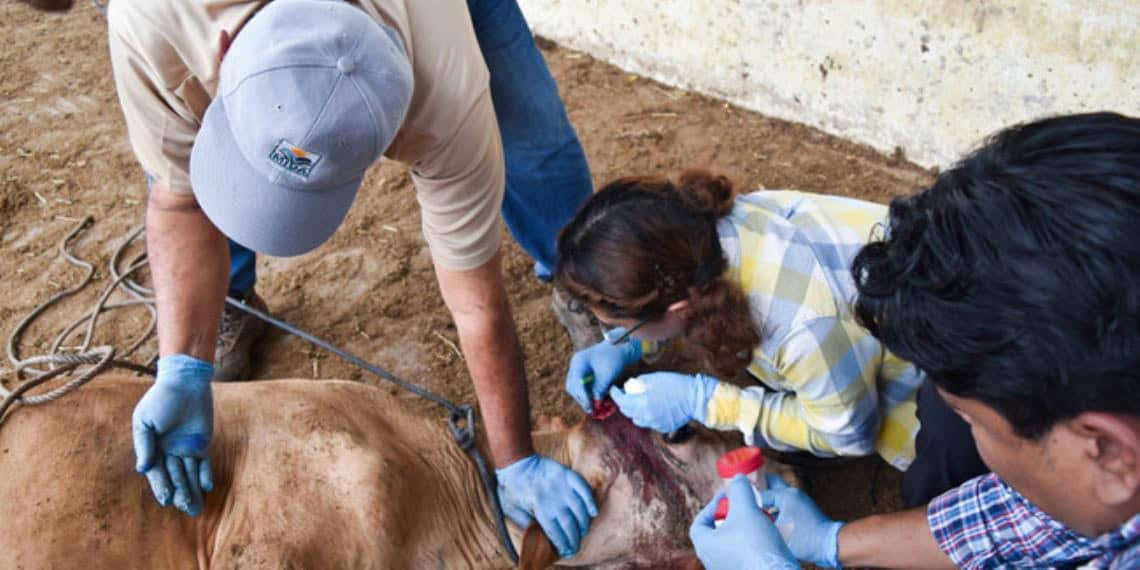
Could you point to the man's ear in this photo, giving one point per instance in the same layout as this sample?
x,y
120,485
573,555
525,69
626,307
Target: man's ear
x,y
1114,447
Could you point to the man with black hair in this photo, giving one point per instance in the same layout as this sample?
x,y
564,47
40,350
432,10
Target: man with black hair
x,y
1014,283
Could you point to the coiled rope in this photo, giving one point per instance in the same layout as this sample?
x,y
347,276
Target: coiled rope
x,y
41,368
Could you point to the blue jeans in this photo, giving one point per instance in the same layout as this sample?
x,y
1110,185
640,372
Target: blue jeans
x,y
547,175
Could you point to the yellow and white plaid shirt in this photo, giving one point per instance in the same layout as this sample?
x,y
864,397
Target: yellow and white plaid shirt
x,y
832,389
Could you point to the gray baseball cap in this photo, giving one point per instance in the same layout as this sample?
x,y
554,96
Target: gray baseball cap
x,y
311,93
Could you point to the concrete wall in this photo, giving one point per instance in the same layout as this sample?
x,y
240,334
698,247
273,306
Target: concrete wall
x,y
932,77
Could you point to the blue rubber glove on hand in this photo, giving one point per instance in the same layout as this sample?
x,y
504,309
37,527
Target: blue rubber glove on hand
x,y
813,537
670,400
559,498
172,425
602,362
746,539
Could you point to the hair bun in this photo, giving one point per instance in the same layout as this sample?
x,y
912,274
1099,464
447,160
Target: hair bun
x,y
706,193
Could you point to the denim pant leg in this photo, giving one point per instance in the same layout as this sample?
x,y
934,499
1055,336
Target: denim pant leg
x,y
243,263
547,175
243,269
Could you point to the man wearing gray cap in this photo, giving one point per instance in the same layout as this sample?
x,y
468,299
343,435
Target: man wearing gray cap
x,y
269,147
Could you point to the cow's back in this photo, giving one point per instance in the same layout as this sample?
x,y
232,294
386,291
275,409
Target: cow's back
x,y
306,473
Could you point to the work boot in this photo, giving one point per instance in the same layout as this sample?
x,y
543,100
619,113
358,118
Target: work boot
x,y
236,334
584,330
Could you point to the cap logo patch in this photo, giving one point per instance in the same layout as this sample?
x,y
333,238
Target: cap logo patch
x,y
293,158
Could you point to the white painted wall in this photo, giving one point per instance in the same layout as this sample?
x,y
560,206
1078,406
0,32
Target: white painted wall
x,y
932,77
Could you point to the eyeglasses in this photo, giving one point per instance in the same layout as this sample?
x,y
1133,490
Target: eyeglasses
x,y
575,305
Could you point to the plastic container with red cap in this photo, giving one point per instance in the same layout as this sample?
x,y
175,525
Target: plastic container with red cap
x,y
747,461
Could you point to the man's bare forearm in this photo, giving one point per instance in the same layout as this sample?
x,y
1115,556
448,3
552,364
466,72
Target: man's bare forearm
x,y
896,540
189,264
478,304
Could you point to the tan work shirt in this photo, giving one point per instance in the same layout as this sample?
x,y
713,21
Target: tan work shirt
x,y
163,54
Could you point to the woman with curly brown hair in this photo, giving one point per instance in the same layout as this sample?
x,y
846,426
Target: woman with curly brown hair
x,y
758,283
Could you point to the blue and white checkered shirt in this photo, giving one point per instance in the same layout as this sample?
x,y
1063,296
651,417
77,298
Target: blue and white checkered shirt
x,y
985,523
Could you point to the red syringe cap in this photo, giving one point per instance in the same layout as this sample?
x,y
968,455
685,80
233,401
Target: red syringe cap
x,y
721,512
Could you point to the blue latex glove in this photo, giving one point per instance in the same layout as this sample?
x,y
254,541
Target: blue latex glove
x,y
594,369
559,498
172,425
669,401
746,539
812,536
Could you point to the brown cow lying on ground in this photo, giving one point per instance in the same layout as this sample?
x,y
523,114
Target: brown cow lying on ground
x,y
321,475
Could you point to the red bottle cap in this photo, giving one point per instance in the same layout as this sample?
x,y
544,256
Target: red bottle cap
x,y
740,461
603,409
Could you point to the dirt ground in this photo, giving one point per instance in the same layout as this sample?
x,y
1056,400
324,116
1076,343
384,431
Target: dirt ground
x,y
64,155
